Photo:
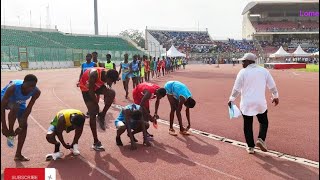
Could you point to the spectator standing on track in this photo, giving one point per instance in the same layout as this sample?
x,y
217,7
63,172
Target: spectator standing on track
x,y
142,95
125,70
159,67
142,71
155,67
13,98
65,120
178,95
92,83
168,63
163,65
147,69
131,118
251,83
184,62
152,66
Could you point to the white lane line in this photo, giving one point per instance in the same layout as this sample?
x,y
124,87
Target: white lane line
x,y
280,155
81,157
201,165
242,144
295,73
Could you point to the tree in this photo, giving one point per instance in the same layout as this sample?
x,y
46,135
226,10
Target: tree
x,y
135,35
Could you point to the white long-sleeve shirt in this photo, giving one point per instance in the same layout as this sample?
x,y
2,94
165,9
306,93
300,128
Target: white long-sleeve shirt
x,y
251,82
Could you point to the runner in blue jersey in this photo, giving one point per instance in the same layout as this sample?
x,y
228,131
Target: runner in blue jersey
x,y
125,69
13,98
135,71
131,117
86,65
178,95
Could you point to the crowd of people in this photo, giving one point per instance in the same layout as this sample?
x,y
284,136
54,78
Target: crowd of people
x,y
286,26
186,41
134,117
95,80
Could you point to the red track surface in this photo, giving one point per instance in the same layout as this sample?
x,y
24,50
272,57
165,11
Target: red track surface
x,y
293,129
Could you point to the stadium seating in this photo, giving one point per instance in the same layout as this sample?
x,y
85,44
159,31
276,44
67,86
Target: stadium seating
x,y
12,37
286,26
192,41
88,42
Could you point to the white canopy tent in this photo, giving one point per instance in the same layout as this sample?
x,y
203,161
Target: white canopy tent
x,y
316,54
299,52
173,52
280,53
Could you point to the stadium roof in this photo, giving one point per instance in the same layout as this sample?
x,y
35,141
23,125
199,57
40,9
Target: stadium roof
x,y
252,4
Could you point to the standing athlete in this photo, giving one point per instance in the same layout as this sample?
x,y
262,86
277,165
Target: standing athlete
x,y
87,65
92,84
135,71
125,77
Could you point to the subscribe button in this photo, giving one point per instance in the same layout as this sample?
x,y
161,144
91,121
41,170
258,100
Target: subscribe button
x,y
30,174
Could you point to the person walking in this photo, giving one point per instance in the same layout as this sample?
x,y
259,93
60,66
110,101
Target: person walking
x,y
251,83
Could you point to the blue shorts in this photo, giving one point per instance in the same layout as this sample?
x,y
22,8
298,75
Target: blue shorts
x,y
22,107
123,77
51,129
118,123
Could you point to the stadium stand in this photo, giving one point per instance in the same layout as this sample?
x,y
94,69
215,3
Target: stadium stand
x,y
36,48
279,23
193,41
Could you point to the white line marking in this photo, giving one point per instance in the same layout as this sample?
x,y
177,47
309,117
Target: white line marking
x,y
295,73
242,144
199,164
202,165
81,157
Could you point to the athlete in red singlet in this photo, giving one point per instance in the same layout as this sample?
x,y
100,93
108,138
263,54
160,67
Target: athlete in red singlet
x,y
92,84
142,95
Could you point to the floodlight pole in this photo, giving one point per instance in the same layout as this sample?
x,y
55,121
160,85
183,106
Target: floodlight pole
x,y
96,28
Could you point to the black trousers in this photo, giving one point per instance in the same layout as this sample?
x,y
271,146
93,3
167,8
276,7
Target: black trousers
x,y
247,127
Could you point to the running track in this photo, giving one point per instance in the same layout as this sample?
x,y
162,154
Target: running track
x,y
293,130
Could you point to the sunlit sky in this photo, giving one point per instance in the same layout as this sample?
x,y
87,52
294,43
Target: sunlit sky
x,y
222,17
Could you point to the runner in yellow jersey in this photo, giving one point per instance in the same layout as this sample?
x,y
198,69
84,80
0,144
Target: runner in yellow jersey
x,y
65,120
109,64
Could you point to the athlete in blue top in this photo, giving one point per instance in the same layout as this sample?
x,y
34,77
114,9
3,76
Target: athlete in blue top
x,y
178,95
86,65
125,69
129,118
14,97
135,68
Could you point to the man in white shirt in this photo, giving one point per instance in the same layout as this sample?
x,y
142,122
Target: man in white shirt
x,y
251,83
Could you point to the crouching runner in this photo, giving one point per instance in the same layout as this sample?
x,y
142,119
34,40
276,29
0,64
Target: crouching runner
x,y
65,120
131,118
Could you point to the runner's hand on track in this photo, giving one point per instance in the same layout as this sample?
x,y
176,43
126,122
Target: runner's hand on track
x,y
78,84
